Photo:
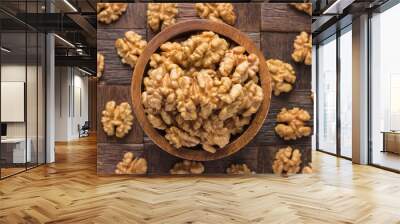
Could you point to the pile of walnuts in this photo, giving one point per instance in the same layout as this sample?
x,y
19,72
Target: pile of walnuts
x,y
131,165
117,119
200,91
187,167
110,12
287,161
295,126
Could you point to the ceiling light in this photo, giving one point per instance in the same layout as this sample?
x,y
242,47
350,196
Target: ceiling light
x,y
5,50
65,41
70,5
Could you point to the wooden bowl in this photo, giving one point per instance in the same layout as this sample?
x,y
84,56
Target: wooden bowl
x,y
230,33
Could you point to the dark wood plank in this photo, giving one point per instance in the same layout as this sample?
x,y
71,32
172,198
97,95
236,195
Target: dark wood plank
x,y
115,72
109,155
267,136
276,45
248,15
134,17
160,162
281,17
119,94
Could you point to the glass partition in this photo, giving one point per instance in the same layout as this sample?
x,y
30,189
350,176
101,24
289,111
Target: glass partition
x,y
15,149
22,101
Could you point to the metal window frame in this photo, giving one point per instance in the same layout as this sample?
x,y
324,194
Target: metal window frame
x,y
339,32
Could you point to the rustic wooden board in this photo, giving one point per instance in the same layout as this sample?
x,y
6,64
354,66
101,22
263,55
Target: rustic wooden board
x,y
273,27
119,94
134,18
109,155
115,72
281,17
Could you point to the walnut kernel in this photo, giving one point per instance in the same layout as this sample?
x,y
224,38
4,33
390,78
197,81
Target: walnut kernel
x,y
117,119
239,169
131,165
305,7
100,64
302,48
187,167
220,12
283,76
130,47
295,123
161,14
110,12
287,161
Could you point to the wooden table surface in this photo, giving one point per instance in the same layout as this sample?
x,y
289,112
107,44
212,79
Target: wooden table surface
x,y
272,26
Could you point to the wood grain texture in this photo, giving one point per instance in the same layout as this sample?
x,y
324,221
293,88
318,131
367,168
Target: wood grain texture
x,y
119,94
281,17
109,155
248,15
70,191
115,72
133,18
140,72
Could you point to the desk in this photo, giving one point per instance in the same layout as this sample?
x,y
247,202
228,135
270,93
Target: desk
x,y
391,141
16,147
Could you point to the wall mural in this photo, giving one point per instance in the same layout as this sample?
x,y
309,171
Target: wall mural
x,y
204,88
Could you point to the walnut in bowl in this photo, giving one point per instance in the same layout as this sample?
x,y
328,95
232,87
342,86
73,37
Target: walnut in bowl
x,y
210,91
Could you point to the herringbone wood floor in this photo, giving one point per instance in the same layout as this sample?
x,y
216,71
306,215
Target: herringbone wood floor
x,y
70,192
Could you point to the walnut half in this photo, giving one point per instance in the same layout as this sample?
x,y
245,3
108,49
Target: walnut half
x,y
239,169
187,167
295,123
110,12
100,65
302,48
130,48
220,12
287,161
161,14
305,7
283,76
131,165
117,119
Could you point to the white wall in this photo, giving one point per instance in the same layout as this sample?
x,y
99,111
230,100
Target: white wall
x,y
71,94
33,127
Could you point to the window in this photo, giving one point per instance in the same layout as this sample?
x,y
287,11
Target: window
x,y
327,96
346,92
385,89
